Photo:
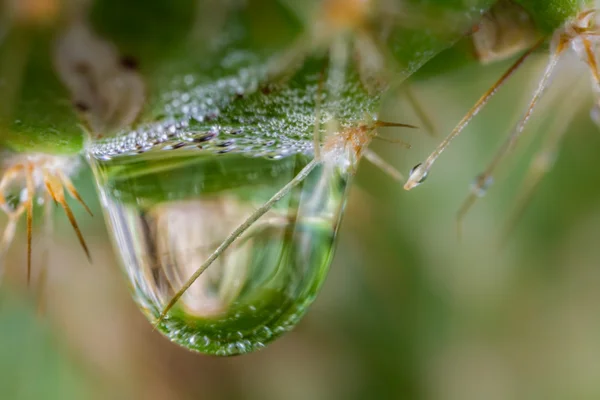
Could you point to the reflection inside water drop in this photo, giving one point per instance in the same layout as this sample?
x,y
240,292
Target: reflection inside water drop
x,y
169,210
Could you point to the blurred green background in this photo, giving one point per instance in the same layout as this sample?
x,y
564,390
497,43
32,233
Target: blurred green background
x,y
408,310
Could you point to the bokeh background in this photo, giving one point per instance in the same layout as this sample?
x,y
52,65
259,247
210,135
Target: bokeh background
x,y
408,310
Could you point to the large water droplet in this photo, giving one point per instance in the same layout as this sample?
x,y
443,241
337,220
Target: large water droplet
x,y
168,210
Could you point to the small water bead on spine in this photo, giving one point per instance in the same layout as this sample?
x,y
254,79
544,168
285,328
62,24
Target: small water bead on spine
x,y
569,25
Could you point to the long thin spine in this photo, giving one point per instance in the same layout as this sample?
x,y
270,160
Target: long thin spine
x,y
543,160
68,185
54,187
422,170
7,239
538,168
380,163
73,223
383,124
29,207
484,179
591,60
48,231
50,190
419,110
299,178
395,141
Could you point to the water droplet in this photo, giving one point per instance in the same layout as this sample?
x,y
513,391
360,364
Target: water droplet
x,y
169,210
481,185
416,170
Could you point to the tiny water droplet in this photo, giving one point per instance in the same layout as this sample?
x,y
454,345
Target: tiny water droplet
x,y
481,185
169,210
414,170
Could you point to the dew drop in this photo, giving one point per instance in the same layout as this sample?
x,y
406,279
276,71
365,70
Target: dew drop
x,y
416,170
167,211
481,185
